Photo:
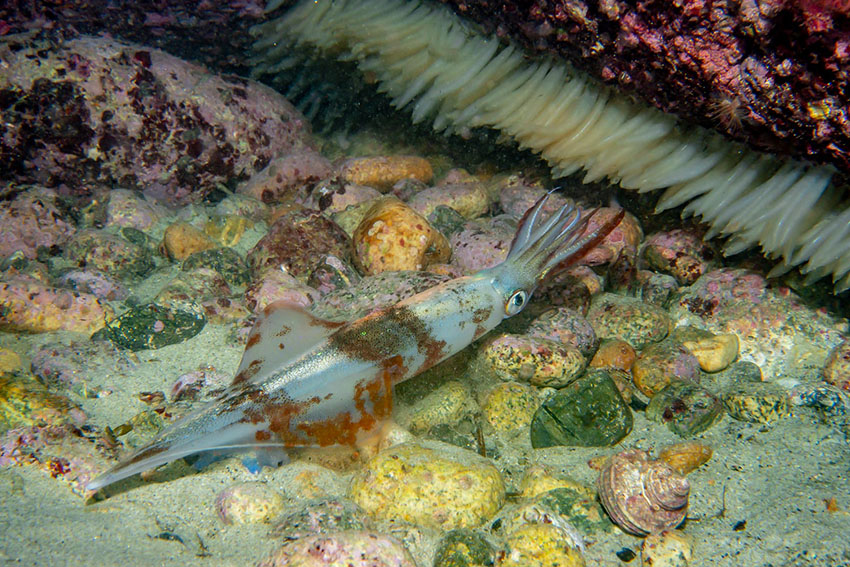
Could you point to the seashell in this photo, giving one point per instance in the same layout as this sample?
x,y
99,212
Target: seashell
x,y
642,495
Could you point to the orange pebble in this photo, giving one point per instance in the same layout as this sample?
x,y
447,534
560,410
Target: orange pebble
x,y
384,171
616,353
687,456
181,240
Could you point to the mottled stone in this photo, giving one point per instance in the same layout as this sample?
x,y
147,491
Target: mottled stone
x,y
286,175
130,209
661,363
248,503
567,326
95,283
737,372
448,404
109,253
668,548
657,289
631,320
468,199
540,545
464,548
588,413
227,230
225,261
685,457
539,478
482,245
278,285
332,274
31,221
680,253
510,406
383,172
714,352
392,236
529,359
446,489
348,548
153,326
25,402
622,241
10,361
686,407
836,371
31,307
579,507
614,353
757,402
319,516
196,286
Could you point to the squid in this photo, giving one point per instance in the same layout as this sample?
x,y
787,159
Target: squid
x,y
308,382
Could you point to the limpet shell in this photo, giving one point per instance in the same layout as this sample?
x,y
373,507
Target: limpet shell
x,y
642,495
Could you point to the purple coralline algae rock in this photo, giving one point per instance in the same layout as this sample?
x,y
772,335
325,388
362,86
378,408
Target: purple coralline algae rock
x,y
95,283
482,244
283,179
31,220
680,253
566,326
109,253
97,112
350,548
296,242
278,285
129,208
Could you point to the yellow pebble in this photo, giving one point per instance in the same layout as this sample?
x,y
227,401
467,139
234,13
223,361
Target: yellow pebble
x,y
714,353
384,171
9,361
511,406
181,240
539,479
687,456
541,545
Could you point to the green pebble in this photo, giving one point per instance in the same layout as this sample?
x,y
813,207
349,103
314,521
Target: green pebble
x,y
464,548
686,407
590,412
756,402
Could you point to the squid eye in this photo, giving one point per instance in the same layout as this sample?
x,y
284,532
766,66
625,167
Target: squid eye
x,y
516,302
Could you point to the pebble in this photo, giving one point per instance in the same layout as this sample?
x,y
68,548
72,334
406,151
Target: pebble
x,y
445,489
31,221
448,404
199,285
109,253
541,362
95,283
660,363
225,261
686,407
668,548
26,402
227,230
332,274
540,478
383,172
631,320
281,180
464,548
740,371
319,516
357,548
657,289
614,353
686,457
716,352
482,245
128,208
10,361
567,326
540,545
392,236
516,198
836,371
680,253
588,413
242,206
510,406
580,507
32,307
277,285
756,402
468,199
622,241
296,242
248,503
153,326
333,196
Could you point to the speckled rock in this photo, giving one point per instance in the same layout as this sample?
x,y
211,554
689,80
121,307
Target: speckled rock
x,y
614,353
448,404
111,113
95,283
284,176
540,545
32,220
661,363
446,489
510,406
128,208
830,402
757,402
25,402
27,306
75,366
332,196
631,320
383,172
482,245
374,292
346,548
668,548
248,503
277,285
332,274
319,516
464,548
686,407
198,285
153,326
836,371
567,326
713,352
680,253
588,413
225,261
10,361
242,206
516,198
735,373
295,242
657,289
304,482
392,236
776,330
227,230
109,253
469,199
686,457
530,359
622,241
579,506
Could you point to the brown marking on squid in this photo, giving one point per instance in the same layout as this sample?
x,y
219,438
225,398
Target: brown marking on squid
x,y
248,372
253,340
284,330
481,314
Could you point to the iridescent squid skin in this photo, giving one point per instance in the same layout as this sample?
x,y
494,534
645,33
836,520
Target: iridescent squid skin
x,y
307,382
